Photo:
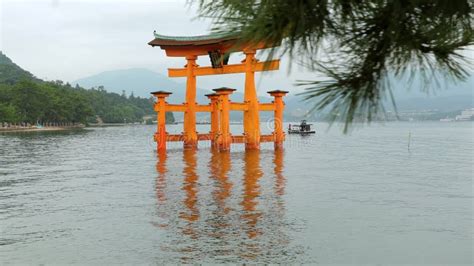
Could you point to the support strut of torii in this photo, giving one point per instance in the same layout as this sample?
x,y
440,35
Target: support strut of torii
x,y
218,47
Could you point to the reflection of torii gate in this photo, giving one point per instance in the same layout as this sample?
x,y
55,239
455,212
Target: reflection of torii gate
x,y
218,47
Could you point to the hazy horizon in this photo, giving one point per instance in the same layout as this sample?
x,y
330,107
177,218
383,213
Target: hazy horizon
x,y
71,40
77,39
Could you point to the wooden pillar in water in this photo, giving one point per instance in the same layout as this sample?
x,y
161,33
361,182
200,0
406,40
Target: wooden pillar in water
x,y
251,115
190,134
224,138
214,118
279,134
160,107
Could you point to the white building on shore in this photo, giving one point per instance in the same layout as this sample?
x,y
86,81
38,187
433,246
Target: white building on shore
x,y
466,115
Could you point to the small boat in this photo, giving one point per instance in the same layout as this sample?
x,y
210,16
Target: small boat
x,y
303,128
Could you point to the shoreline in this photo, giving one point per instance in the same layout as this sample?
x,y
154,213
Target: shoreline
x,y
33,129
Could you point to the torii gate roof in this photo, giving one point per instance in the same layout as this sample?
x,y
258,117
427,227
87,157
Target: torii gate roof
x,y
215,38
182,46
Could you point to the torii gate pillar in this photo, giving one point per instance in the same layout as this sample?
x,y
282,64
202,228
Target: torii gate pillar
x,y
251,116
224,138
160,108
190,134
279,134
213,97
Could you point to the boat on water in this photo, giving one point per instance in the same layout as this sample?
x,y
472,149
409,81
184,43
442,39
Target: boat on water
x,y
303,128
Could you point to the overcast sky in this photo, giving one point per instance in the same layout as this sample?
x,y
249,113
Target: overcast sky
x,y
68,40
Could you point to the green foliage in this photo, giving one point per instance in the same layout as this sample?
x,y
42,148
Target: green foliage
x,y
353,45
26,99
8,113
34,102
10,73
115,108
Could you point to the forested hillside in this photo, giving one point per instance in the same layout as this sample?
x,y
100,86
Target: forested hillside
x,y
10,73
24,98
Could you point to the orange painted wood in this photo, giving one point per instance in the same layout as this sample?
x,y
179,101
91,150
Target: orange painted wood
x,y
214,118
238,106
223,47
266,107
204,136
176,108
251,116
203,108
161,124
267,138
220,105
238,139
175,137
190,134
160,107
224,139
182,51
278,117
226,69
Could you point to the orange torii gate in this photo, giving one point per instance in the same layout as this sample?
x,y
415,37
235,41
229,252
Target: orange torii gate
x,y
218,47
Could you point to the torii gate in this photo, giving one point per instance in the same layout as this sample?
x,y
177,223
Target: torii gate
x,y
218,47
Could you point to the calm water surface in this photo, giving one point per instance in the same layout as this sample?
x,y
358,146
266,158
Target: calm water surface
x,y
103,196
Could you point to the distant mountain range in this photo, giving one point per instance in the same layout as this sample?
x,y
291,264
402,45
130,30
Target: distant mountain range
x,y
140,81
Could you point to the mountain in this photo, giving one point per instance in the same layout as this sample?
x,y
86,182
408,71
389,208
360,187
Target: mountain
x,y
433,94
26,99
441,103
140,81
430,87
416,95
11,73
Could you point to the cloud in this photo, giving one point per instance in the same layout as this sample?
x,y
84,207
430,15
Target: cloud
x,y
68,40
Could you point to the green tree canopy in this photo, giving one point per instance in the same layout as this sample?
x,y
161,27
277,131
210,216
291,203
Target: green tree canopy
x,y
355,44
24,98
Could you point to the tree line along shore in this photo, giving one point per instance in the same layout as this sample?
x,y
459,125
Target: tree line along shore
x,y
28,102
